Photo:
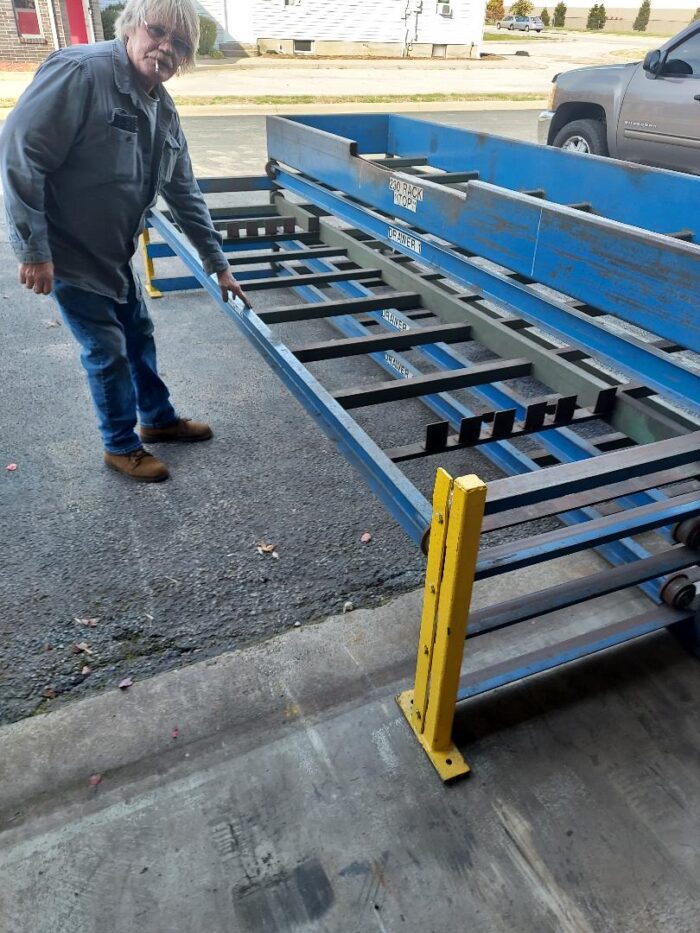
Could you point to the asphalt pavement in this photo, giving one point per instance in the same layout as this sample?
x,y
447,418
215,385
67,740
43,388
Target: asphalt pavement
x,y
171,572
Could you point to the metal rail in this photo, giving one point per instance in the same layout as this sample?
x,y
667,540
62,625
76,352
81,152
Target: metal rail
x,y
513,459
400,497
627,354
502,453
425,314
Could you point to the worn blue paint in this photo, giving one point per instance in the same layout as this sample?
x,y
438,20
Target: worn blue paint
x,y
660,370
639,275
653,199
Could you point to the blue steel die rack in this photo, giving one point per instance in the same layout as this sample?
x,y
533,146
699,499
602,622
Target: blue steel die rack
x,y
538,256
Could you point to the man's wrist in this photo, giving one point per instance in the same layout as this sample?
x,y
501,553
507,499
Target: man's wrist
x,y
33,259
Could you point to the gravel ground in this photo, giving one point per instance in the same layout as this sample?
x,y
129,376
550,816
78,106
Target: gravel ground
x,y
171,572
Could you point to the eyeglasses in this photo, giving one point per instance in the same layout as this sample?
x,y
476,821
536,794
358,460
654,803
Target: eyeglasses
x,y
181,48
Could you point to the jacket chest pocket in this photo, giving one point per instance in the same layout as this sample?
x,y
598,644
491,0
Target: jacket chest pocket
x,y
171,152
122,152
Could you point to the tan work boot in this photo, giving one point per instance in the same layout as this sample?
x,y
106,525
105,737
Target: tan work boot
x,y
138,465
184,430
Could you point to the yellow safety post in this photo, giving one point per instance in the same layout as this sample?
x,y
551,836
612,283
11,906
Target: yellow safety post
x,y
458,510
148,263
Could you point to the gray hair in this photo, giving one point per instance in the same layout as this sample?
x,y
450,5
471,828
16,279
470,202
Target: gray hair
x,y
178,15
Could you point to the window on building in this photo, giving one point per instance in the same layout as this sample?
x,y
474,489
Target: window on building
x,y
27,18
303,45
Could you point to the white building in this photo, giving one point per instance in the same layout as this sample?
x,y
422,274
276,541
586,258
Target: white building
x,y
415,28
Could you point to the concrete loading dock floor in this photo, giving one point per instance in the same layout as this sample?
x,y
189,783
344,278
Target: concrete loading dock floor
x,y
295,798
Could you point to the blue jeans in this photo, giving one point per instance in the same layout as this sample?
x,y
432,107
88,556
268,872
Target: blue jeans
x,y
119,356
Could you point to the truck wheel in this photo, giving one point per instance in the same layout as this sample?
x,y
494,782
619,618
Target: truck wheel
x,y
583,136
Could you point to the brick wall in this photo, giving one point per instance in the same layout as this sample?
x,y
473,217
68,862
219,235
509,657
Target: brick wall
x,y
61,23
14,48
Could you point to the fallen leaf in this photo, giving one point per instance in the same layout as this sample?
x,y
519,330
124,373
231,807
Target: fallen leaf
x,y
126,683
91,623
175,733
11,467
86,670
366,538
82,647
49,693
95,779
263,548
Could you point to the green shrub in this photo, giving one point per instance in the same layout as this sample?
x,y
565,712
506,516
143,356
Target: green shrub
x,y
596,17
207,35
109,17
544,16
642,20
559,15
696,15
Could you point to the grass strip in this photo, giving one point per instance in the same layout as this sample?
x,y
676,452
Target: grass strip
x,y
518,35
283,100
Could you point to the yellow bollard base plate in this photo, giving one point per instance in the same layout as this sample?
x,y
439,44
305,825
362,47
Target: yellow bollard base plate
x,y
152,292
449,763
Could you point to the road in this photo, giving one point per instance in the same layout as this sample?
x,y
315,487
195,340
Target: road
x,y
235,145
517,64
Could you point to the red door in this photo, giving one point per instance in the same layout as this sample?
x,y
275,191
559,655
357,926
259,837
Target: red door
x,y
76,22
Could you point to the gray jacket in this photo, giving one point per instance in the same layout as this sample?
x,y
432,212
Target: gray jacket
x,y
79,172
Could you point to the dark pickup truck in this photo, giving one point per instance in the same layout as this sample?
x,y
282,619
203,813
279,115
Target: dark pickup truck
x,y
647,112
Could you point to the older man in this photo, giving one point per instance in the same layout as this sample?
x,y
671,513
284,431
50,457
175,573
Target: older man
x,y
87,150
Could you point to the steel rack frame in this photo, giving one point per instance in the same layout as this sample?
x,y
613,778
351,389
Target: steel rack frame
x,y
636,274
608,490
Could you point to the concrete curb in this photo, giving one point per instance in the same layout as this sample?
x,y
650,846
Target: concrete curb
x,y
245,697
303,671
